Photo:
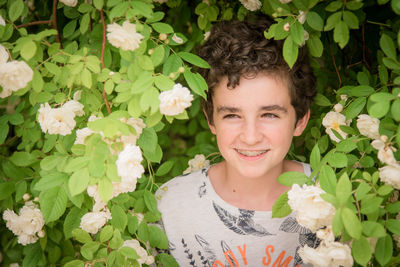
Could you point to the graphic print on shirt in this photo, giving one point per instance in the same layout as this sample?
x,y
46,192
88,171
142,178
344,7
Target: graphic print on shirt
x,y
202,190
242,224
188,253
208,256
306,237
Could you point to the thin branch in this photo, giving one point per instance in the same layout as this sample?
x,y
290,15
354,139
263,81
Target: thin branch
x,y
334,64
54,22
34,23
103,47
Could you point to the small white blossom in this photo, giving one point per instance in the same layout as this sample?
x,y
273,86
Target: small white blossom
x,y
390,175
124,36
302,16
71,3
92,222
286,27
330,254
197,163
144,258
385,153
177,39
26,197
56,120
343,97
251,5
333,120
338,107
175,101
3,55
25,225
75,107
2,22
311,210
15,75
368,126
128,163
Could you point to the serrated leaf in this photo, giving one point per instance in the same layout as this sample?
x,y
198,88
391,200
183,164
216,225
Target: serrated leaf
x,y
53,203
290,178
355,107
119,219
79,181
194,59
281,207
351,223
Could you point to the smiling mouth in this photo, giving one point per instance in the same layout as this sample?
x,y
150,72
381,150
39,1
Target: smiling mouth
x,y
251,153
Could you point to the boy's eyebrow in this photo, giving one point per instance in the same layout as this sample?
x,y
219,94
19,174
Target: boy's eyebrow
x,y
263,108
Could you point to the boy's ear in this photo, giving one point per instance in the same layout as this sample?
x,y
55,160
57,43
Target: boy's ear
x,y
301,124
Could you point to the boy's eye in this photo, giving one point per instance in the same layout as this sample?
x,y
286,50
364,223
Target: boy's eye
x,y
230,116
270,115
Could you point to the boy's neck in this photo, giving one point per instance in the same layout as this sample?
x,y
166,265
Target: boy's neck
x,y
256,193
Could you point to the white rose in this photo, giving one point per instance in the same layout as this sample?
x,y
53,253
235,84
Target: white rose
x,y
71,3
75,107
138,125
56,120
251,5
175,101
311,210
144,258
124,36
302,16
385,153
91,222
81,135
390,174
331,254
125,186
3,55
128,163
368,126
15,75
333,120
2,21
25,239
198,162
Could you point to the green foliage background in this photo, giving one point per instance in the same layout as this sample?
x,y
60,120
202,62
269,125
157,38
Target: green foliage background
x,y
354,47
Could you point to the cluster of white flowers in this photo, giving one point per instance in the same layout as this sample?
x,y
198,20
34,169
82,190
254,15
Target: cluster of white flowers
x,y
59,120
144,258
251,5
92,222
318,213
70,3
175,101
333,120
197,163
27,225
124,36
14,75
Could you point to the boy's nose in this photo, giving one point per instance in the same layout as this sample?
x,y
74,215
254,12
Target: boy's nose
x,y
251,133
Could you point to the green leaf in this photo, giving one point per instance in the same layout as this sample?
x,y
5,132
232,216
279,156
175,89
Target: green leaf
x,y
6,189
86,78
22,159
72,221
88,249
395,4
75,164
129,252
81,235
387,45
105,189
3,133
322,100
395,109
373,229
332,21
351,223
53,203
161,27
51,180
15,10
297,32
145,63
158,55
393,226
327,179
196,83
69,28
355,108
167,260
381,97
150,201
290,178
362,90
315,46
391,63
119,219
79,181
52,68
334,6
290,51
337,223
384,250
37,81
163,83
370,205
157,237
315,21
84,23
350,19
347,145
106,233
315,157
194,59
378,110
341,34
338,160
343,189
150,100
75,263
361,250
98,4
143,82
148,140
172,64
281,207
362,190
28,50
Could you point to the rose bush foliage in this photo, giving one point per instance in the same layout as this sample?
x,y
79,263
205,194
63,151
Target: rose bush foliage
x,y
100,104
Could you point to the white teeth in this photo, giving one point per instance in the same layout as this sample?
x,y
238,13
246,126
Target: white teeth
x,y
251,153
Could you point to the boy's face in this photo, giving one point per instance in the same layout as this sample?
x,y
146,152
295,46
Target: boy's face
x,y
254,124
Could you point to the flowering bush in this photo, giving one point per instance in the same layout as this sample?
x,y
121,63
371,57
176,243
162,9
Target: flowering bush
x,y
100,104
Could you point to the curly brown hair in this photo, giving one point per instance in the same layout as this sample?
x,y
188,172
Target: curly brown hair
x,y
236,49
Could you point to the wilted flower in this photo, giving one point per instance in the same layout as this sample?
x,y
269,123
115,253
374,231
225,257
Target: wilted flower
x,y
311,210
286,27
385,153
175,101
302,16
71,3
25,225
81,135
15,75
197,163
144,258
2,22
56,120
368,126
77,95
128,163
3,55
177,39
333,120
251,5
92,222
75,107
124,36
390,174
327,254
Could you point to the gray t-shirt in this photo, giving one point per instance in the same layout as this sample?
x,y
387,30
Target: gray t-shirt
x,y
204,230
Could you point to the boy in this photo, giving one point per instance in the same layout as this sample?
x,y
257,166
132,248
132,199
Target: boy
x,y
221,215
